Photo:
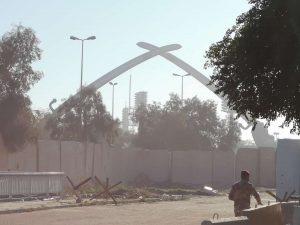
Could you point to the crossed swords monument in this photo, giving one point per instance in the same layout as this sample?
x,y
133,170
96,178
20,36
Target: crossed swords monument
x,y
260,134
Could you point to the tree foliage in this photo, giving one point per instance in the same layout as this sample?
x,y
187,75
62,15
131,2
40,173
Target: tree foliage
x,y
229,133
189,126
124,139
83,119
256,65
18,51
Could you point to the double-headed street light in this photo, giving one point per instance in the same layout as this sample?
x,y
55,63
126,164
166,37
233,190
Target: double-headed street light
x,y
82,40
113,98
182,76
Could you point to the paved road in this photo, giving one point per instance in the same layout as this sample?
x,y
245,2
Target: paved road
x,y
188,212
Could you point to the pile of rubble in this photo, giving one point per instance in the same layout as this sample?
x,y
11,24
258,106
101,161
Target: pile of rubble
x,y
283,212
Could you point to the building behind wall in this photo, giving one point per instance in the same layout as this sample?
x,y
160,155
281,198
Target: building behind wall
x,y
140,99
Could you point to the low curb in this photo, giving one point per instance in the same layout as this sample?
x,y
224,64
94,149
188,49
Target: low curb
x,y
94,203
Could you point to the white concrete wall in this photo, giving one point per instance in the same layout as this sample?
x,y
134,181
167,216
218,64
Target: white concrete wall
x,y
192,167
223,170
261,164
3,156
116,164
79,161
88,151
154,163
101,161
98,162
247,159
267,167
24,160
48,156
73,160
129,164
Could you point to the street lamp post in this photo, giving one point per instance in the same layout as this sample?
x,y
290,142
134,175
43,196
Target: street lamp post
x,y
81,72
182,76
82,40
113,98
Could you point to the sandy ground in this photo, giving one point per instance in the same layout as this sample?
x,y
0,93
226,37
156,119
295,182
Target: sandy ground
x,y
187,212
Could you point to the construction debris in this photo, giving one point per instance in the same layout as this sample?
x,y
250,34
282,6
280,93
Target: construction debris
x,y
210,190
285,198
270,214
76,187
106,189
242,220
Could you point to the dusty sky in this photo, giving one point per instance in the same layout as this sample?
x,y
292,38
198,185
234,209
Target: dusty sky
x,y
118,26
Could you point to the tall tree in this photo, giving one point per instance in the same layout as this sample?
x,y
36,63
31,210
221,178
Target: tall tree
x,y
83,119
18,50
189,126
147,119
257,64
229,133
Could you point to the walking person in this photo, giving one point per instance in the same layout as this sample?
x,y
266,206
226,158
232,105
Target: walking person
x,y
241,193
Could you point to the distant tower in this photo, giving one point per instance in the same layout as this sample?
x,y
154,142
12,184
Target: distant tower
x,y
125,119
140,99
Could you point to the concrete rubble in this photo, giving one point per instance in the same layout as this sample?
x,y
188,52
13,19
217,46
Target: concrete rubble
x,y
243,220
274,214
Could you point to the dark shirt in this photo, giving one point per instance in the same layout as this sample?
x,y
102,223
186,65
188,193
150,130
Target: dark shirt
x,y
241,193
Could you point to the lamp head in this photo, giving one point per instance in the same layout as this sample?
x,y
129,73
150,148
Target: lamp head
x,y
74,38
91,38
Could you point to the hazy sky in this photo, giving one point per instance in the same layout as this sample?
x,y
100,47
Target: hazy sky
x,y
118,26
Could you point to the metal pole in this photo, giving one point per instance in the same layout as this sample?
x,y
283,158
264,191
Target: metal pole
x,y
129,94
81,73
182,89
81,65
82,40
113,97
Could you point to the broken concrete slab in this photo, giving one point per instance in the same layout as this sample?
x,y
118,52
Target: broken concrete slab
x,y
242,220
270,214
287,209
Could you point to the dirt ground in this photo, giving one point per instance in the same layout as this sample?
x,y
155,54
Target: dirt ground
x,y
186,212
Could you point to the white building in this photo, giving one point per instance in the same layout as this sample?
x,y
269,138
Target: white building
x,y
140,99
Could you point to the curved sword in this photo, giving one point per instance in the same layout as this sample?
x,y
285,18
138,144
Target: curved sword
x,y
187,68
125,67
183,65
